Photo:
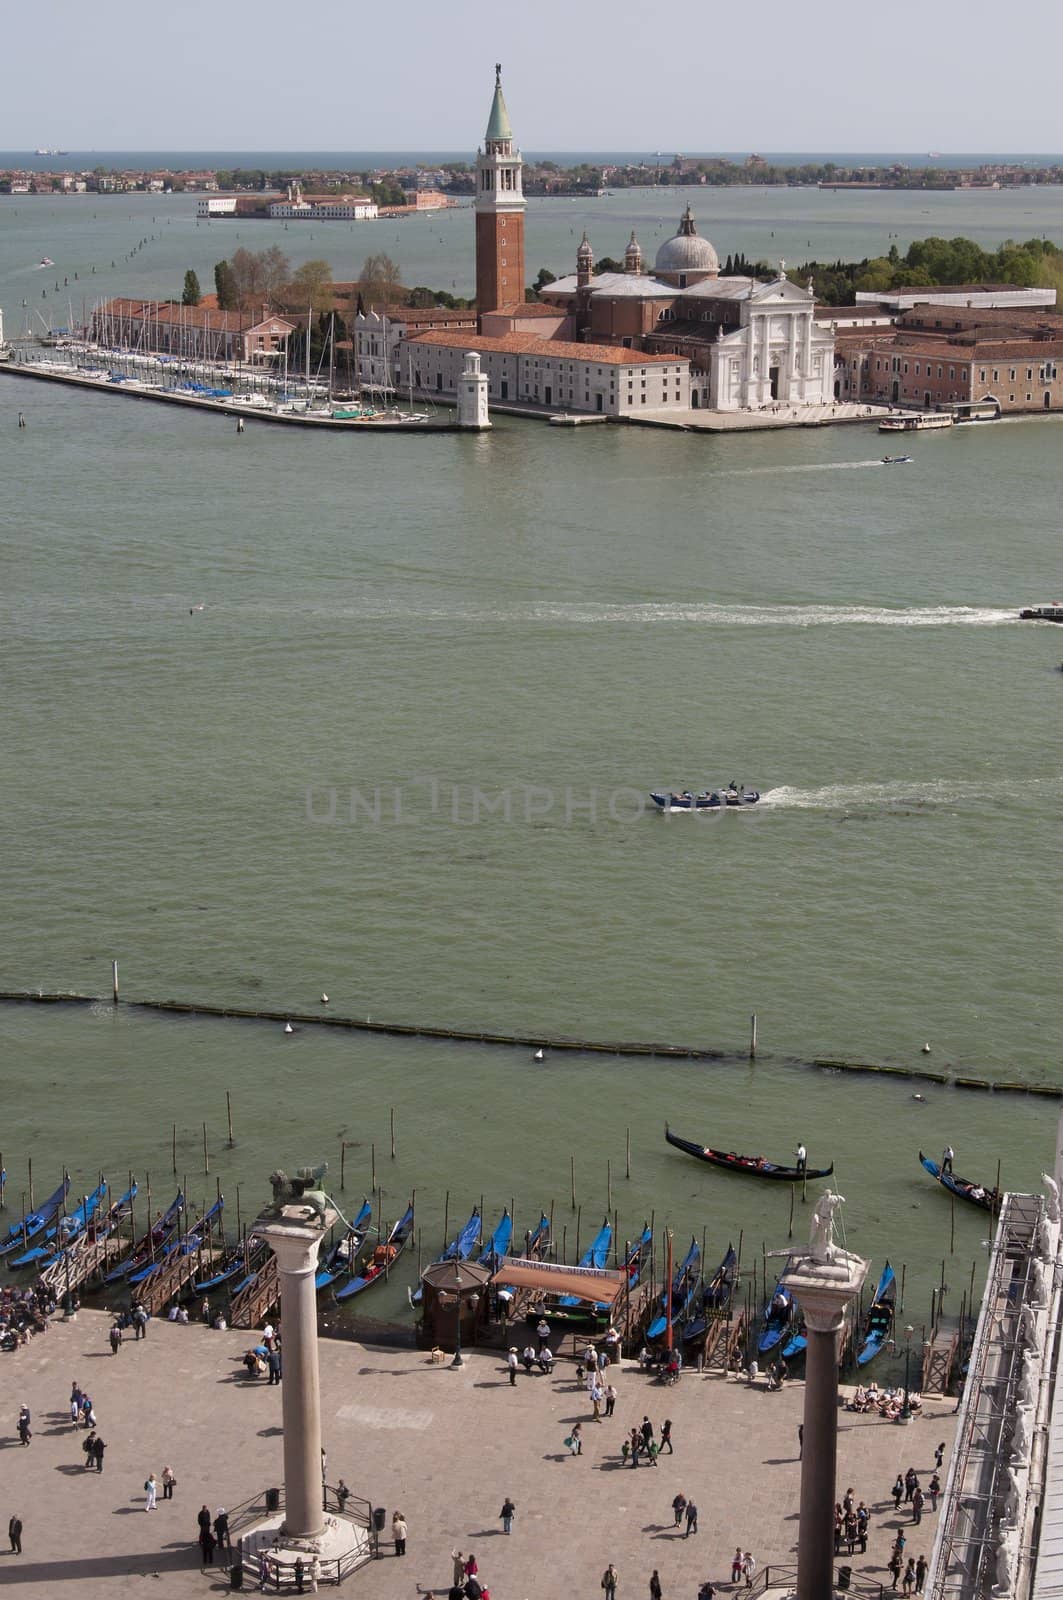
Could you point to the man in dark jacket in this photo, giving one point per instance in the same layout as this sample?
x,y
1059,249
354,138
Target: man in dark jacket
x,y
14,1533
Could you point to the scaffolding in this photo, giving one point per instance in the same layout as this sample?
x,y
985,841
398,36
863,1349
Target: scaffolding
x,y
963,1561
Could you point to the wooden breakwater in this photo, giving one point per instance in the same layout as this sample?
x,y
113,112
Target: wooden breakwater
x,y
558,1043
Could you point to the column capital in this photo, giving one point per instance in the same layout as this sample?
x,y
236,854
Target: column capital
x,y
825,1288
294,1241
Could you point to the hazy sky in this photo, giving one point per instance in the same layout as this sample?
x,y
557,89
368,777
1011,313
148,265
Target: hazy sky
x,y
680,75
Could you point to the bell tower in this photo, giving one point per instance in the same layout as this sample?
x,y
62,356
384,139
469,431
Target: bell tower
x,y
499,212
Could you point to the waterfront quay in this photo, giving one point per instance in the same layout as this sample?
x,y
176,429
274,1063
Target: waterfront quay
x,y
445,1446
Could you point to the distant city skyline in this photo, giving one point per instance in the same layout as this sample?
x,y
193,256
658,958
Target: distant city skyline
x,y
234,77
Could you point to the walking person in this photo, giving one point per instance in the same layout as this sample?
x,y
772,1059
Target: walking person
x,y
140,1322
273,1363
666,1436
610,1399
655,1585
908,1581
911,1483
97,1454
597,1396
736,1565
939,1456
169,1482
25,1433
88,1448
610,1579
115,1337
647,1432
917,1506
934,1489
920,1574
692,1519
894,1568
749,1568
75,1405
507,1513
398,1532
800,1441
151,1488
208,1544
221,1529
679,1505
898,1492
14,1533
511,1363
575,1439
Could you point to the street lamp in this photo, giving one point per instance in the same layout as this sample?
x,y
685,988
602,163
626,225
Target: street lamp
x,y
473,1301
906,1409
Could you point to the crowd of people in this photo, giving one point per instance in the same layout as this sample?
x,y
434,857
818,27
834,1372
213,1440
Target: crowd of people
x,y
23,1313
889,1403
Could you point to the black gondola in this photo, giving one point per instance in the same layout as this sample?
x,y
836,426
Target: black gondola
x,y
753,1166
976,1193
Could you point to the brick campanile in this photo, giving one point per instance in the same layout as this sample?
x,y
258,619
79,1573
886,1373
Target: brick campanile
x,y
499,212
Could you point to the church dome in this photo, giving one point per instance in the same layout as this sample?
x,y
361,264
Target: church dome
x,y
687,251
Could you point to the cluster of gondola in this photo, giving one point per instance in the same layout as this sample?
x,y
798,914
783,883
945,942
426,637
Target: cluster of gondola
x,y
363,1254
783,1330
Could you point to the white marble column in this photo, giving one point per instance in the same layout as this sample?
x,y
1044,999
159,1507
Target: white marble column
x,y
824,1289
296,1247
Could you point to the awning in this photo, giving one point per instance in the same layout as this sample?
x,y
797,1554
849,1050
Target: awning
x,y
586,1283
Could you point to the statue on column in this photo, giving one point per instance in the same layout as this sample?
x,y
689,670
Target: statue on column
x,y
821,1233
303,1190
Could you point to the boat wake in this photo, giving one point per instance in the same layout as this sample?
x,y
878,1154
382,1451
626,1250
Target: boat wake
x,y
896,795
805,466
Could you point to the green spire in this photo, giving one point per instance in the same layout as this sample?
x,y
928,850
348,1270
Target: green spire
x,y
498,123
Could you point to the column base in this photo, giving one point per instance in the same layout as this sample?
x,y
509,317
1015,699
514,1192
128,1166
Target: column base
x,y
341,1548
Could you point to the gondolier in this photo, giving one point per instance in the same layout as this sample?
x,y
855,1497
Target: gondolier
x,y
948,1155
802,1159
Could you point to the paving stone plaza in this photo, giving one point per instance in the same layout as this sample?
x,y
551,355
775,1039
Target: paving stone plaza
x,y
444,1446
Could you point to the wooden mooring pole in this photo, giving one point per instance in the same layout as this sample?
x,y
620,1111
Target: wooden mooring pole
x,y
393,1133
627,1172
229,1117
753,1037
114,981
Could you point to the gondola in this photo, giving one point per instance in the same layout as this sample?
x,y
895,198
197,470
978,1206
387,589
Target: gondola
x,y
570,1308
638,1255
684,1288
182,1244
878,1324
460,1248
497,1247
382,1258
714,1294
796,1344
342,1258
976,1193
243,1261
152,1242
34,1222
62,1232
752,1166
778,1314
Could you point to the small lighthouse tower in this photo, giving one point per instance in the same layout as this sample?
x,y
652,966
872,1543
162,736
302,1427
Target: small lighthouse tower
x,y
472,394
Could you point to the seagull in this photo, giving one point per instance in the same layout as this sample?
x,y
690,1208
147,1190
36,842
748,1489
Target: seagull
x,y
926,1049
324,999
288,1028
540,1055
919,1097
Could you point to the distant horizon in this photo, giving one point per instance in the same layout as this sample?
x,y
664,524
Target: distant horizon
x,y
611,154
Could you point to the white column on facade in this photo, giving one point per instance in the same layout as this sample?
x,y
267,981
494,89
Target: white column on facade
x,y
751,353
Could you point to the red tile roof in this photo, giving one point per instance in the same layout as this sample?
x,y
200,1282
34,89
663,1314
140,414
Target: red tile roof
x,y
171,311
529,344
526,308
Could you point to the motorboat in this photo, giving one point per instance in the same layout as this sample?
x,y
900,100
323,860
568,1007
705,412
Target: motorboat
x,y
733,796
916,422
894,461
1052,612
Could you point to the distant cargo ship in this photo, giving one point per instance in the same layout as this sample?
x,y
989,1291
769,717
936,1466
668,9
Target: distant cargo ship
x,y
52,152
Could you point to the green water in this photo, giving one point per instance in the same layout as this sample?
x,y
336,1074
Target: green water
x,y
502,643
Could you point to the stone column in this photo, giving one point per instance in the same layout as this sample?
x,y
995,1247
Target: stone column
x,y
296,1247
824,1289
